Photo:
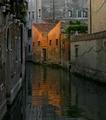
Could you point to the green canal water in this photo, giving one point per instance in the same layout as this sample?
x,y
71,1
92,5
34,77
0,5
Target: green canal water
x,y
54,94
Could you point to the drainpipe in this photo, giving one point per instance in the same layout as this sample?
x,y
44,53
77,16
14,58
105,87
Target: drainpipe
x,y
90,12
53,11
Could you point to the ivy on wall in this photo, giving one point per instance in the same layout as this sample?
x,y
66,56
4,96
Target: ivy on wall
x,y
19,9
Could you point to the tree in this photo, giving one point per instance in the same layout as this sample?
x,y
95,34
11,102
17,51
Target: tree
x,y
19,9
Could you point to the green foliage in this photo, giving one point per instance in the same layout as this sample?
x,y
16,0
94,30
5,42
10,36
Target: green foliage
x,y
22,11
76,26
19,10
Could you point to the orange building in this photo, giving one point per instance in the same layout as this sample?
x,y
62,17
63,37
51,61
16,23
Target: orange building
x,y
65,50
46,42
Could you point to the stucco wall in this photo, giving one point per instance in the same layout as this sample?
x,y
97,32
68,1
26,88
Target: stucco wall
x,y
54,49
41,40
91,58
86,53
98,15
37,36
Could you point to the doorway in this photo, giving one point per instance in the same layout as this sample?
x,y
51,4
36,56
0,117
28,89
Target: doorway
x,y
44,54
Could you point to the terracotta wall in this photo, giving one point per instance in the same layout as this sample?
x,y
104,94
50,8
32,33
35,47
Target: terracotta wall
x,y
36,36
54,48
41,40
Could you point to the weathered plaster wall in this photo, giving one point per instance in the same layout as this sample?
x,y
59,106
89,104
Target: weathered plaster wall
x,y
97,15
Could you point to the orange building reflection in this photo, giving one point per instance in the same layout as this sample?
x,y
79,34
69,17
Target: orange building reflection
x,y
43,93
46,92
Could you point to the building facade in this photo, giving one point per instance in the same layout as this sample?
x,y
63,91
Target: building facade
x,y
34,12
65,9
88,55
12,54
97,17
46,42
34,15
3,106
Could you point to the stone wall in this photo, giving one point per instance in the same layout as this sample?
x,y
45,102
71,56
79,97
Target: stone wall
x,y
11,64
3,107
13,60
88,55
12,57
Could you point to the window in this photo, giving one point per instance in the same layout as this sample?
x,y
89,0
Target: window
x,y
79,13
39,12
76,50
85,14
56,41
29,48
29,15
38,43
104,43
33,44
29,33
8,39
70,13
50,42
33,15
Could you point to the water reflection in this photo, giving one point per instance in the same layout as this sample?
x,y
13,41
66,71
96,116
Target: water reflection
x,y
59,96
46,92
21,106
91,97
53,94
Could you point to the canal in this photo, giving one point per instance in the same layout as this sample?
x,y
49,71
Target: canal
x,y
54,94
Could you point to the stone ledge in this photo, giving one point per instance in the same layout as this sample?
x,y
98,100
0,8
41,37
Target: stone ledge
x,y
89,37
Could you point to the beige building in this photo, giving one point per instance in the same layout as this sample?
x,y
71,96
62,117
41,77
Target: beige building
x,y
97,15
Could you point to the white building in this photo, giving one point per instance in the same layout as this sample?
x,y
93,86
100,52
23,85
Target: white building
x,y
65,9
34,12
34,15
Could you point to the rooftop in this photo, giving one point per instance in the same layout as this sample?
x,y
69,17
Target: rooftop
x,y
43,27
